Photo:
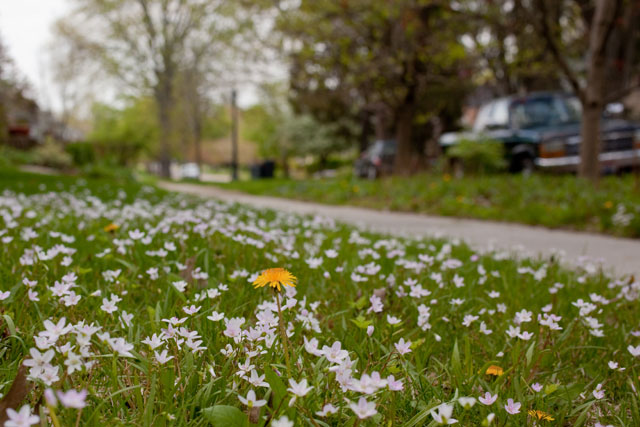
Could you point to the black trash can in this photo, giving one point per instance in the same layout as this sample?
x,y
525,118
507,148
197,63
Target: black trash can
x,y
255,170
267,169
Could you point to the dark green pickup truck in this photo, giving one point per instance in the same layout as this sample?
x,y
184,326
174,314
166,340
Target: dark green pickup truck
x,y
542,130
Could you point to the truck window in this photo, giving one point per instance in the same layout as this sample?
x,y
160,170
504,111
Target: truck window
x,y
482,118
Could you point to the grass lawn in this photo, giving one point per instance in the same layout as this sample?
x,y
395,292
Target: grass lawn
x,y
144,300
556,201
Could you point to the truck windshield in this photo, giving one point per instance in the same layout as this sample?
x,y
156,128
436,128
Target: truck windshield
x,y
544,111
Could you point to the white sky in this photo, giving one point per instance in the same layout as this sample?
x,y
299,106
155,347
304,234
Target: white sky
x,y
25,27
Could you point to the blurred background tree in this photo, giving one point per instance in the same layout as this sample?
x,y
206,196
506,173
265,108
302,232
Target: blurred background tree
x,y
5,61
332,75
148,44
390,62
120,135
601,36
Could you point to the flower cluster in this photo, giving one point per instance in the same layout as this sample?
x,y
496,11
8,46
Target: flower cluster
x,y
147,301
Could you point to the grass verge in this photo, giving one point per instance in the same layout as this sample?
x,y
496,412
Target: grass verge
x,y
555,201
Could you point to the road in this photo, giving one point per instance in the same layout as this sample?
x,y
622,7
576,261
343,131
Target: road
x,y
616,255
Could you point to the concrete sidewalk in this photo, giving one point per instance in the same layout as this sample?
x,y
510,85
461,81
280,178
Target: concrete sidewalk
x,y
618,255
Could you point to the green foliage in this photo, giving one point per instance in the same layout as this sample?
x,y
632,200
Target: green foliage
x,y
303,135
281,133
260,126
52,154
82,153
225,415
217,124
107,170
123,134
399,61
11,157
479,156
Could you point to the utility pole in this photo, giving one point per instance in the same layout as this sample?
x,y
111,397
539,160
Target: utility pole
x,y
234,137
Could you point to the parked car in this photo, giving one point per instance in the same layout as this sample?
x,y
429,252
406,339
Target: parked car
x,y
376,160
542,130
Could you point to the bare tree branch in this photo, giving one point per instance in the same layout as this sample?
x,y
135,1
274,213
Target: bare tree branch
x,y
619,94
554,47
608,22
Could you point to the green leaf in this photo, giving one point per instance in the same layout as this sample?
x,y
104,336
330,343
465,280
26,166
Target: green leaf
x,y
10,324
456,365
277,386
82,270
226,416
360,303
417,343
394,369
550,388
149,406
468,362
128,265
583,416
421,417
361,322
530,353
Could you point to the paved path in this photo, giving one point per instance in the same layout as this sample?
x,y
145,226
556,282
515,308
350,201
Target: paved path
x,y
621,256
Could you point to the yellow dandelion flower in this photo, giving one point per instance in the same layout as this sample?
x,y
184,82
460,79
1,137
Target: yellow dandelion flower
x,y
541,415
111,227
608,204
494,370
275,277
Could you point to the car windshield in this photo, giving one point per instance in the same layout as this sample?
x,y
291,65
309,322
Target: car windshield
x,y
544,111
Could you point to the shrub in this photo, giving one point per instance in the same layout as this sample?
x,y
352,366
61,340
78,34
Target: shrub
x,y
108,170
82,153
479,156
11,157
53,155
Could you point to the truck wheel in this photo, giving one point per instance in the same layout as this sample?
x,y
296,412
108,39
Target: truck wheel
x,y
523,164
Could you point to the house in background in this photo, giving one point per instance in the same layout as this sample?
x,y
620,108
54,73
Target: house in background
x,y
26,125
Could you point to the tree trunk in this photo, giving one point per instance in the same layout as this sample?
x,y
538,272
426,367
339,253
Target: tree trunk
x,y
165,131
590,147
593,96
381,122
365,131
433,150
197,141
284,159
198,145
163,99
196,120
404,151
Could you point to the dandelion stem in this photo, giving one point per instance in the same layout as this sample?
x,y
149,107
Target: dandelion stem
x,y
283,336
